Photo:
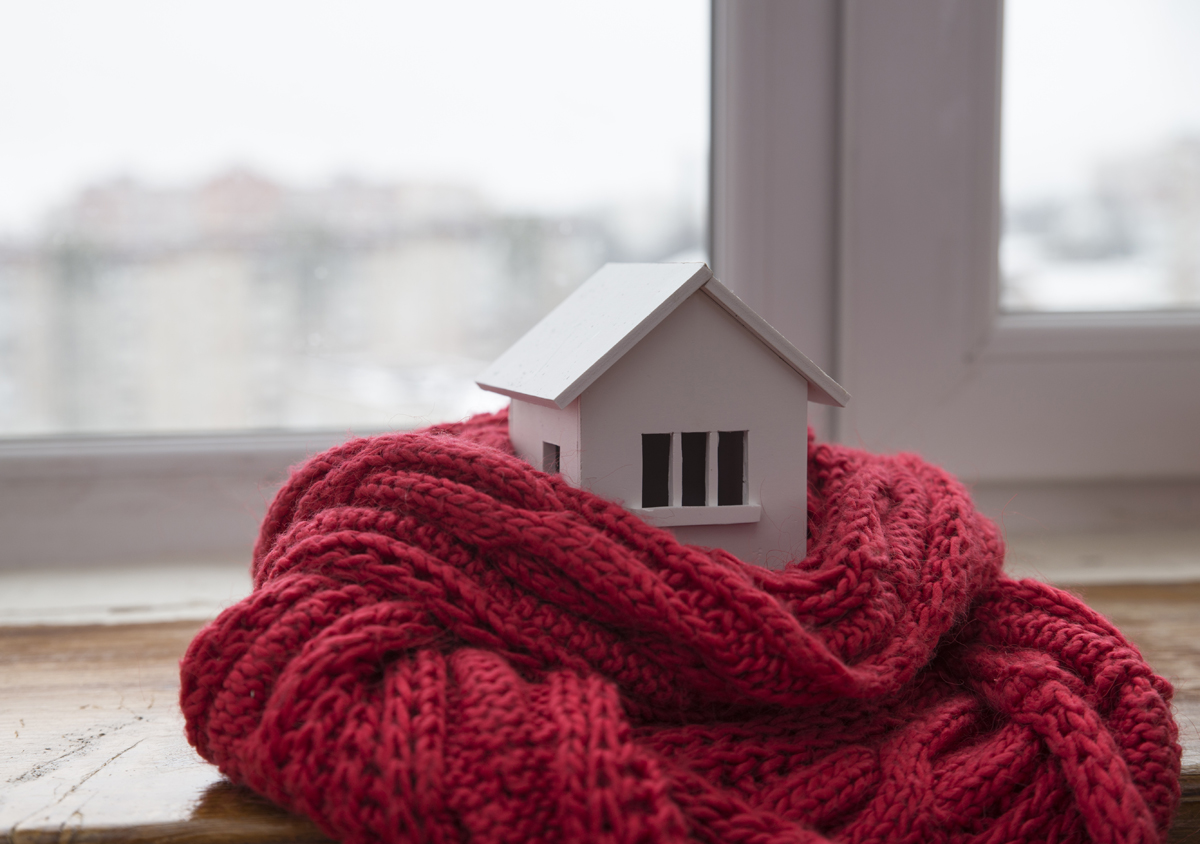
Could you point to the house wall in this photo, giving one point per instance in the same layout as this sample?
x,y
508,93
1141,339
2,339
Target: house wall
x,y
530,425
700,370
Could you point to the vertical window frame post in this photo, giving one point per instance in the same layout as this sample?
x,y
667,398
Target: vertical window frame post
x,y
676,484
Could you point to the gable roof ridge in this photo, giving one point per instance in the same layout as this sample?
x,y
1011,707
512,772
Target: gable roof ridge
x,y
593,328
573,345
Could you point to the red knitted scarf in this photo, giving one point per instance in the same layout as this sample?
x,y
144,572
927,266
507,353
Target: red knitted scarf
x,y
446,645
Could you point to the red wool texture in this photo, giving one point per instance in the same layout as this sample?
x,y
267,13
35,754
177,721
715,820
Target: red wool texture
x,y
446,645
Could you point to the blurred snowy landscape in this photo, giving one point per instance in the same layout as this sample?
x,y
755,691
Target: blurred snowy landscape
x,y
307,214
1131,242
243,303
1101,156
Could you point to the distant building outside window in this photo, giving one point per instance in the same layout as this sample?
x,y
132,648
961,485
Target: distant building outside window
x,y
333,229
1101,156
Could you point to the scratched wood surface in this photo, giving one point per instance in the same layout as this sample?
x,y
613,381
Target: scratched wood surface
x,y
93,747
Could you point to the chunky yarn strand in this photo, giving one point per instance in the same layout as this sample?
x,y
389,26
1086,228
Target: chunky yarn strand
x,y
445,645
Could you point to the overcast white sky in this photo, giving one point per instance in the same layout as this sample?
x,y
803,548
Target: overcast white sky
x,y
1091,80
542,103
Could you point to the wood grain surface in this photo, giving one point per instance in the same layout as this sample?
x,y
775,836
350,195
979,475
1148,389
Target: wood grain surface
x,y
94,745
94,748
1163,620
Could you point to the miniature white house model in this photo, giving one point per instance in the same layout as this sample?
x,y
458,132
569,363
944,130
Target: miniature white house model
x,y
656,387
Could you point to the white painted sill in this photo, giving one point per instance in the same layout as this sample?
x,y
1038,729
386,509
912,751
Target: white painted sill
x,y
729,514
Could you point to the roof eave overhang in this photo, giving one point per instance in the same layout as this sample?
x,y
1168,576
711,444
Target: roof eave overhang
x,y
513,394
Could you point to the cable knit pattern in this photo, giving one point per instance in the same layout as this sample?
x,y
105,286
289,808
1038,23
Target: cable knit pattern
x,y
446,645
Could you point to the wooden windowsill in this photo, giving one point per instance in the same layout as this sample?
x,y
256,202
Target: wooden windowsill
x,y
94,744
95,752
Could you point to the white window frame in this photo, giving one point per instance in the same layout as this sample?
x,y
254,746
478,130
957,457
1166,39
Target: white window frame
x,y
854,200
856,182
112,501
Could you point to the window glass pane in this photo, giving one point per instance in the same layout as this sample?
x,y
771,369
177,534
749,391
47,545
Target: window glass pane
x,y
1101,155
273,214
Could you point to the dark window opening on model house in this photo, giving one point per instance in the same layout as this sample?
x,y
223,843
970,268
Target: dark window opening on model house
x,y
551,458
731,467
694,448
656,470
696,472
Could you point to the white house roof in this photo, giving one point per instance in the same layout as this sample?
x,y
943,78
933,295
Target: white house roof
x,y
595,326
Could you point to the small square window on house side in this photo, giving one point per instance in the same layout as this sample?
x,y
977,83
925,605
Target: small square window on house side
x,y
731,468
551,458
694,447
656,470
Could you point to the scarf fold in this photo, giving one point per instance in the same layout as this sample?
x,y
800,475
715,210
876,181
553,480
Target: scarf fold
x,y
445,645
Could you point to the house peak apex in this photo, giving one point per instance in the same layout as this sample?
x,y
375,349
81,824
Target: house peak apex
x,y
561,356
